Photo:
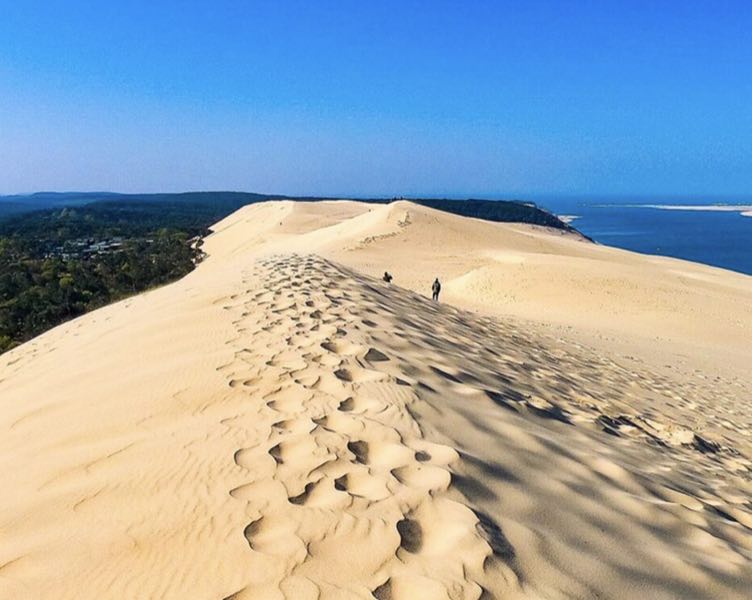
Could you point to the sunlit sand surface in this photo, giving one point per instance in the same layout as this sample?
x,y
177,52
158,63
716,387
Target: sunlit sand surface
x,y
570,421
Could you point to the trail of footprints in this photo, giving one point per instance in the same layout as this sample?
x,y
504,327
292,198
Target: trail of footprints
x,y
343,496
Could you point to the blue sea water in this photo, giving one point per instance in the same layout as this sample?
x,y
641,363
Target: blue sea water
x,y
720,239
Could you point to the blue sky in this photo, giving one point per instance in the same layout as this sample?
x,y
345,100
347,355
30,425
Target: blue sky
x,y
377,98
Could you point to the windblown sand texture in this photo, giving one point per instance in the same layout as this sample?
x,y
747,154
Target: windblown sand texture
x,y
281,424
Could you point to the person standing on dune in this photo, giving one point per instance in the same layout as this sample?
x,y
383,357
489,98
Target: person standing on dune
x,y
436,288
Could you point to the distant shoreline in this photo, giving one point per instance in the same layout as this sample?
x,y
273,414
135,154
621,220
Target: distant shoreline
x,y
713,232
743,209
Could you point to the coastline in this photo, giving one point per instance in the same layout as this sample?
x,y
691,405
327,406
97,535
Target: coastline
x,y
715,235
740,208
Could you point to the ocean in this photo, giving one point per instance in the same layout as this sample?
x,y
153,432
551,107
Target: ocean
x,y
718,238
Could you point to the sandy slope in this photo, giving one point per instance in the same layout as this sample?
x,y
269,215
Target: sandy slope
x,y
279,424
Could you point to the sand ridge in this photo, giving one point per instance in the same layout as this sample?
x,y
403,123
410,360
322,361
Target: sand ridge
x,y
344,496
664,310
363,358
282,424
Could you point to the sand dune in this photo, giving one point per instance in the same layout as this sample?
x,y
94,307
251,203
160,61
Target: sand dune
x,y
573,421
525,272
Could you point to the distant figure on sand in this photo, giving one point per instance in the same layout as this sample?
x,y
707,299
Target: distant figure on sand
x,y
436,288
387,277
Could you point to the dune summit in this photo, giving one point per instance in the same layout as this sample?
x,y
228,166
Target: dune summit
x,y
571,421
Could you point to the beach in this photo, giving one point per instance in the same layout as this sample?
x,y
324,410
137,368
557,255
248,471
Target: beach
x,y
570,420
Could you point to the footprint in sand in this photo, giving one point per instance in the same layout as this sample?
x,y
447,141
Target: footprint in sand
x,y
360,450
411,535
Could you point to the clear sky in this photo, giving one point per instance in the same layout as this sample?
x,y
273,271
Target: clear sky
x,y
377,98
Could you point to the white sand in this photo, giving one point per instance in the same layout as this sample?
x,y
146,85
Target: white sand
x,y
568,218
744,209
281,424
699,207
